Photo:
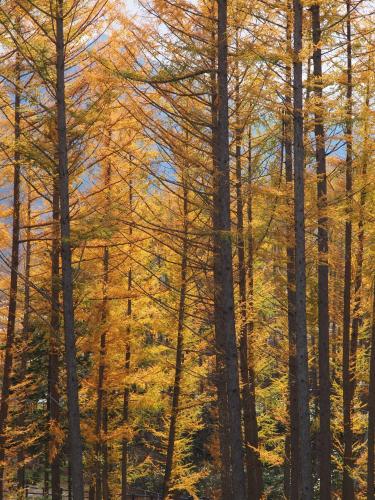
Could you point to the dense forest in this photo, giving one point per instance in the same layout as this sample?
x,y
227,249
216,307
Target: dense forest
x,y
187,249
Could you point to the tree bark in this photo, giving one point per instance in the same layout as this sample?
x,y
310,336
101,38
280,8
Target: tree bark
x,y
12,306
223,422
371,410
101,480
253,463
54,395
126,395
255,475
75,441
225,331
356,319
179,351
325,438
305,466
21,469
291,279
347,482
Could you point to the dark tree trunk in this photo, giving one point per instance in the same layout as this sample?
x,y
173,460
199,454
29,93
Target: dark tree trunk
x,y
291,279
371,410
54,395
46,469
225,331
325,439
105,468
179,350
21,469
101,452
255,474
101,395
75,442
292,382
12,307
126,395
223,423
253,464
347,482
356,320
305,468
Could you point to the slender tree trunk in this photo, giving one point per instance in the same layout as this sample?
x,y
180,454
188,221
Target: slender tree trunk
x,y
356,319
12,307
105,468
21,469
371,410
254,464
225,331
75,442
46,469
348,483
291,278
179,351
54,396
126,395
100,388
70,489
325,439
292,382
223,419
101,404
305,468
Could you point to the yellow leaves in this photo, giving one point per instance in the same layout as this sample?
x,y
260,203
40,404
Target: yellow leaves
x,y
58,438
271,458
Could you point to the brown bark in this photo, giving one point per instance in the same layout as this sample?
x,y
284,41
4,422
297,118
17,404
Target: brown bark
x,y
305,466
225,332
126,395
255,476
371,410
246,306
225,475
179,351
54,396
75,442
347,482
21,468
101,453
12,306
325,438
293,410
291,292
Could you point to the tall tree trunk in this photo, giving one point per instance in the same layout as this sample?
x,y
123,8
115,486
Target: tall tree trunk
x,y
75,442
292,381
105,467
102,397
100,388
54,395
225,331
179,350
305,467
126,395
356,319
291,279
325,438
21,469
254,464
371,410
347,482
12,307
223,421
